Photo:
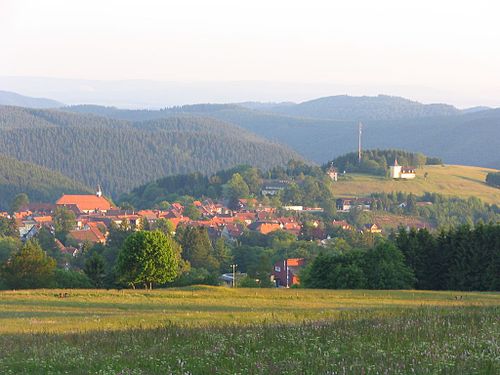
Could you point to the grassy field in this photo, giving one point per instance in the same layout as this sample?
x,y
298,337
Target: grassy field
x,y
209,330
453,180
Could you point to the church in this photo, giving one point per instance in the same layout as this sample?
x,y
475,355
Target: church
x,y
85,203
397,171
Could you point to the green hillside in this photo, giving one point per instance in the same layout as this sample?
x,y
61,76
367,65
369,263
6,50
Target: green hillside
x,y
121,155
41,184
450,180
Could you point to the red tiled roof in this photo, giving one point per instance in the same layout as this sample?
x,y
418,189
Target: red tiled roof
x,y
177,220
266,228
85,202
91,235
42,219
295,262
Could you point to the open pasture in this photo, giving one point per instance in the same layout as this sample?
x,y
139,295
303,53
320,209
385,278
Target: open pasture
x,y
208,330
450,180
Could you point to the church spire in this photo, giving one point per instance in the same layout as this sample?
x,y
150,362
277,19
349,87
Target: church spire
x,y
99,191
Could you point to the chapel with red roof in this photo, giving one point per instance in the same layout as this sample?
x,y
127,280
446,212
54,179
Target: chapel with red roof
x,y
85,203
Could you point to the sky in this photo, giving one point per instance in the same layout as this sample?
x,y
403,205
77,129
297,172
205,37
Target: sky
x,y
426,50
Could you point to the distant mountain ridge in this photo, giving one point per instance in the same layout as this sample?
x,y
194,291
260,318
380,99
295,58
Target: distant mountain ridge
x,y
14,99
363,108
121,155
457,137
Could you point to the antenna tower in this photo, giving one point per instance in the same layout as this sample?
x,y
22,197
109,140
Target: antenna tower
x,y
360,126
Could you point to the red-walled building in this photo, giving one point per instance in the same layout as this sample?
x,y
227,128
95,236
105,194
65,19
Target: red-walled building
x,y
286,272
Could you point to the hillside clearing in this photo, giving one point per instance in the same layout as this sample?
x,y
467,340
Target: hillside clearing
x,y
451,180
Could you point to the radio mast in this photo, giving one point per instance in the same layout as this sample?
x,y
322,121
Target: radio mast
x,y
360,126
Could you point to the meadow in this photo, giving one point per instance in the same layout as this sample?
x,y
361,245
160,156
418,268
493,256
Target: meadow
x,y
451,180
216,330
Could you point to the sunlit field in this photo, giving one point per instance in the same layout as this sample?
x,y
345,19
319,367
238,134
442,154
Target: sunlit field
x,y
451,180
208,330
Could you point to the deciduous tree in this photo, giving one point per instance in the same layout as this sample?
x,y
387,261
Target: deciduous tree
x,y
148,258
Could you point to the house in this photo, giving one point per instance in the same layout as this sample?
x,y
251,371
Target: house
x,y
342,224
47,220
332,173
273,187
397,171
91,234
285,272
232,232
70,250
149,215
293,208
346,204
177,207
85,203
28,229
245,204
265,227
290,225
39,208
245,217
371,228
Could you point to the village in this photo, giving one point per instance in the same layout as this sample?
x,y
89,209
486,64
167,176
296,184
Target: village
x,y
94,216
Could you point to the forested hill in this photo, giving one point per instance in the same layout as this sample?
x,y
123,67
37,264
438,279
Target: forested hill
x,y
470,138
121,155
381,107
39,183
341,107
11,98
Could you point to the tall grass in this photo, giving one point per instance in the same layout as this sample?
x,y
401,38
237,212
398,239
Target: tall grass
x,y
223,331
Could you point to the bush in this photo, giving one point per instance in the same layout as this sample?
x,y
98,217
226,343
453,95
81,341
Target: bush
x,y
382,267
66,279
196,276
493,179
29,268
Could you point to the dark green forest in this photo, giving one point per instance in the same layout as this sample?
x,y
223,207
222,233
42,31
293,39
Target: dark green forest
x,y
39,183
121,155
456,137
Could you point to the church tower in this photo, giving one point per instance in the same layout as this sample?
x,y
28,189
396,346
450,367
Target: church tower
x,y
395,170
98,193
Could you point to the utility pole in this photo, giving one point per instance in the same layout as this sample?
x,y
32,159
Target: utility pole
x,y
360,126
233,266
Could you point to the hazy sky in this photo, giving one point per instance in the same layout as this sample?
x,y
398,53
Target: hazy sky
x,y
450,48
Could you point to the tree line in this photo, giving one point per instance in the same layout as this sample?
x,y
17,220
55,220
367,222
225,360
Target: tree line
x,y
462,258
439,210
377,162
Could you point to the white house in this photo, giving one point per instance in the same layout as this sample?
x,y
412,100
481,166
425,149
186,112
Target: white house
x,y
399,172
